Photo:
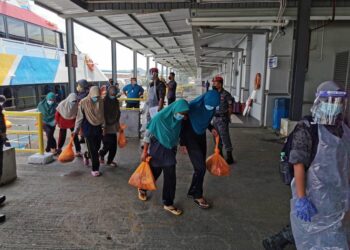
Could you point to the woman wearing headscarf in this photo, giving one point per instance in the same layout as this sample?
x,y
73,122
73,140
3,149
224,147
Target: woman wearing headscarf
x,y
160,143
82,92
66,112
194,141
91,119
111,115
47,107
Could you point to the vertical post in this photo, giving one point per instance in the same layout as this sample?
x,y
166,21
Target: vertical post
x,y
157,65
166,72
39,119
70,52
135,64
114,61
301,56
147,66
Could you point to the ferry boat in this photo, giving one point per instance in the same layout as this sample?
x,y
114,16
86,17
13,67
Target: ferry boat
x,y
32,58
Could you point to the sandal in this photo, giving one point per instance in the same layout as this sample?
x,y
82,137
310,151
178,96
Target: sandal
x,y
173,210
202,204
112,164
95,173
142,194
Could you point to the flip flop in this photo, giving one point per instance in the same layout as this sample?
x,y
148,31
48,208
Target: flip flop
x,y
204,204
173,210
112,164
142,195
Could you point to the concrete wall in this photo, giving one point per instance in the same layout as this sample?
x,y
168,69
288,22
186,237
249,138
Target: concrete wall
x,y
258,64
325,43
278,79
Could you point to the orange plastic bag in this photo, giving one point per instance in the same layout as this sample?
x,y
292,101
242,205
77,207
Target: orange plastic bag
x,y
7,123
217,165
143,178
122,141
67,154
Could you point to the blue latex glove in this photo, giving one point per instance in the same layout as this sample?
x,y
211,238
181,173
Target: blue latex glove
x,y
305,209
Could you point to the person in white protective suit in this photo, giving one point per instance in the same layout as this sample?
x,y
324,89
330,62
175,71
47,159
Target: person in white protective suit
x,y
321,192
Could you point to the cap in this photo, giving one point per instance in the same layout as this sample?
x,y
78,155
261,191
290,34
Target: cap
x,y
218,79
153,70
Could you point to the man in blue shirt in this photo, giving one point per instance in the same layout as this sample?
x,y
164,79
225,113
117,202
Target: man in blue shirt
x,y
133,90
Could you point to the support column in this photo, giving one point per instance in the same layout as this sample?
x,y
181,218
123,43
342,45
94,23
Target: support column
x,y
135,64
114,61
70,52
166,72
162,70
301,57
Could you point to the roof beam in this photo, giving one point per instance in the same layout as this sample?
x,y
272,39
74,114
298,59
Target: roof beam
x,y
173,34
234,31
222,49
107,13
170,47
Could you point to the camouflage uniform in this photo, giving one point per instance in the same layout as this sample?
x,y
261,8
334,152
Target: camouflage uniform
x,y
221,120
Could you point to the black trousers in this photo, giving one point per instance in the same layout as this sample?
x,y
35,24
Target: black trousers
x,y
135,105
109,146
93,144
51,141
62,139
197,151
169,185
171,100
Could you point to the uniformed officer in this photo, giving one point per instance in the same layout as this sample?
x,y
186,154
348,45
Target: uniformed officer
x,y
222,118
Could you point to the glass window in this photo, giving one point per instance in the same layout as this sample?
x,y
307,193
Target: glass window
x,y
16,28
2,26
34,33
49,37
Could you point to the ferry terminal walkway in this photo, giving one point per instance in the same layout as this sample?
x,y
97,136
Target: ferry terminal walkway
x,y
60,206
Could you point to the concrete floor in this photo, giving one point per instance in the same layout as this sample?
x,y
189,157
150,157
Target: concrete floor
x,y
60,206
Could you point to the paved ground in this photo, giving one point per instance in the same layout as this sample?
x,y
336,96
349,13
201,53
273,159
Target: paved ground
x,y
62,207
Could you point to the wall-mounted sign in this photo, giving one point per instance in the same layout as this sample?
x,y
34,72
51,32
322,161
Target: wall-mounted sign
x,y
273,62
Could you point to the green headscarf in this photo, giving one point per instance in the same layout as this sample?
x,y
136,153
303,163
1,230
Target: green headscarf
x,y
47,110
165,127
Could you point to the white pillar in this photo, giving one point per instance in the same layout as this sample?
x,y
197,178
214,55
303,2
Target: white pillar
x,y
70,54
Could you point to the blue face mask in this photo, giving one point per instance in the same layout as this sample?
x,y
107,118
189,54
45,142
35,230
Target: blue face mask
x,y
178,116
94,99
208,107
112,97
50,102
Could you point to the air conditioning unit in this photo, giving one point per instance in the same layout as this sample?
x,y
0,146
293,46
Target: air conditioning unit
x,y
342,75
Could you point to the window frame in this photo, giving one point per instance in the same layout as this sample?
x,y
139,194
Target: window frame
x,y
55,36
31,40
3,33
16,37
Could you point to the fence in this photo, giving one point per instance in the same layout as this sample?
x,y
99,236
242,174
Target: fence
x,y
38,131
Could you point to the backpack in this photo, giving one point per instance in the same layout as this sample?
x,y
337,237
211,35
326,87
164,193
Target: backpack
x,y
286,169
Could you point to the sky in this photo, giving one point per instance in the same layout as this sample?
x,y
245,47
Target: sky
x,y
86,41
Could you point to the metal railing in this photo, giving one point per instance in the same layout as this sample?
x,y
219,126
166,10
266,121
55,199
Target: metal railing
x,y
38,131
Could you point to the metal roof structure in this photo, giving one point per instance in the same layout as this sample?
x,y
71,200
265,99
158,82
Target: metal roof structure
x,y
183,34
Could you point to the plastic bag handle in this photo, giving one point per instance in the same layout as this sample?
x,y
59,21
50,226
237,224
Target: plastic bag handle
x,y
217,141
148,159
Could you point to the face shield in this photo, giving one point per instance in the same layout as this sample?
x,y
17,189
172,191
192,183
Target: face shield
x,y
328,107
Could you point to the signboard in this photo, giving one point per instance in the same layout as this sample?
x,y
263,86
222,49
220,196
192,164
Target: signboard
x,y
273,62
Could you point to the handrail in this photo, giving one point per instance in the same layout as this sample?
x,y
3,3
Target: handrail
x,y
39,131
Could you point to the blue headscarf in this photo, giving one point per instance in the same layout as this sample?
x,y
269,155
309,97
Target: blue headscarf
x,y
199,116
165,127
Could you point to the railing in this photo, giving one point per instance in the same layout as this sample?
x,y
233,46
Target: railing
x,y
38,131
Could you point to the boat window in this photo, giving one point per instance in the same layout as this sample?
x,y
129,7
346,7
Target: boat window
x,y
16,29
2,26
49,37
34,34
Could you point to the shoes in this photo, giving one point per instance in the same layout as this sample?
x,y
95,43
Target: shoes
x,y
2,199
86,161
229,158
142,194
280,240
78,154
2,218
95,173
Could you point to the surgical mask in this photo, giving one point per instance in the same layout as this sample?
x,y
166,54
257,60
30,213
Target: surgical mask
x,y
326,113
50,102
208,107
112,97
94,99
178,116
